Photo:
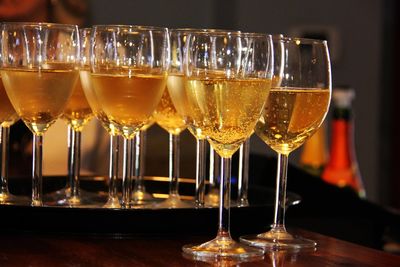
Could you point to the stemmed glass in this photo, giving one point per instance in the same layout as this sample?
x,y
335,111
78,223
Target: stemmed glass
x,y
178,38
172,113
129,66
228,78
77,114
296,107
170,120
39,71
112,129
8,117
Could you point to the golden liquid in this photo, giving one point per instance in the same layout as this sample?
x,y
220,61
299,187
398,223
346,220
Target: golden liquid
x,y
148,124
94,104
78,112
226,111
166,115
8,116
291,116
128,101
39,97
179,97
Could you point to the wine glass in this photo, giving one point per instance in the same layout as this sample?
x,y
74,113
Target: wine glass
x,y
178,38
129,66
296,107
228,78
170,120
39,71
112,129
168,117
77,114
8,117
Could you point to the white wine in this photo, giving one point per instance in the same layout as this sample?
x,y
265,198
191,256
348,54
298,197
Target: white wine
x,y
179,97
166,115
129,100
8,116
226,110
94,104
291,116
39,97
78,112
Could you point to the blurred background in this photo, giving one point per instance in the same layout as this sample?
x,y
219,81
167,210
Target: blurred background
x,y
363,38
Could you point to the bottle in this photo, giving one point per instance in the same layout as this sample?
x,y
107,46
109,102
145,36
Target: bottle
x,y
314,153
342,168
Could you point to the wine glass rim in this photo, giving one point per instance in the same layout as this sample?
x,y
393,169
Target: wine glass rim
x,y
233,33
201,30
41,24
135,27
301,40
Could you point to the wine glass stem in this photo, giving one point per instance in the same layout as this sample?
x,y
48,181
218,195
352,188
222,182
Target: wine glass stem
x,y
113,170
280,197
173,164
75,161
200,172
37,183
243,179
127,172
5,149
224,198
140,161
215,162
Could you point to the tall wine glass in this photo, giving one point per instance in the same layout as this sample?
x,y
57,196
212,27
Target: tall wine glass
x,y
8,117
77,114
129,66
228,78
175,87
112,129
170,115
170,120
296,107
39,71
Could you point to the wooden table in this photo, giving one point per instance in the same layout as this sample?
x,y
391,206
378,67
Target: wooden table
x,y
58,250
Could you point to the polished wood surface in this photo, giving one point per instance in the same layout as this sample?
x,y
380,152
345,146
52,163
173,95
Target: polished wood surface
x,y
61,250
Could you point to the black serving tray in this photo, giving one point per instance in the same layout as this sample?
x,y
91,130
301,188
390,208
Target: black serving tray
x,y
122,222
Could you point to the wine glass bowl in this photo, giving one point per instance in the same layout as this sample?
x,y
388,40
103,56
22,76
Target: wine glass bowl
x,y
296,107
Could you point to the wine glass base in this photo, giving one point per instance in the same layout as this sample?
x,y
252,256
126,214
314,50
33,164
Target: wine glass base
x,y
173,202
277,240
222,247
112,203
140,198
9,199
84,199
212,198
